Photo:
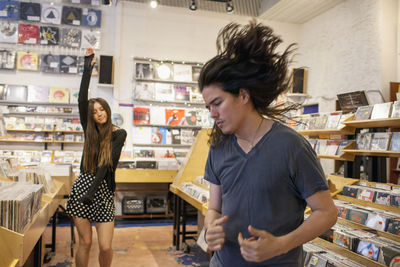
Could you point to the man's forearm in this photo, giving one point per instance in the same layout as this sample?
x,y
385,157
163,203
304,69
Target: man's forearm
x,y
211,215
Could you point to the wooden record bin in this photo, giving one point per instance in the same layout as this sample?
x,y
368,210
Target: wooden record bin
x,y
15,248
192,167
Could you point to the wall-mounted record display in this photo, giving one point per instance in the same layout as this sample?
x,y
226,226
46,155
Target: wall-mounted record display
x,y
30,11
71,15
8,32
71,37
51,14
91,17
49,35
27,61
7,59
28,34
9,10
90,39
50,63
68,64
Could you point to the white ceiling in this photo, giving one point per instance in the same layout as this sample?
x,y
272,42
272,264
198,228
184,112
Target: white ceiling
x,y
291,11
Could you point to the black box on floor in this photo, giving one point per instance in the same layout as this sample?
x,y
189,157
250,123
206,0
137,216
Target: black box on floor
x,y
132,205
156,204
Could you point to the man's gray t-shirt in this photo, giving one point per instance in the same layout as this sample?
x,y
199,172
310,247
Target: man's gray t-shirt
x,y
265,188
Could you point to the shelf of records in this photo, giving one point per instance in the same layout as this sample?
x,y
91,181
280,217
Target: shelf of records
x,y
168,81
333,149
46,63
323,124
378,115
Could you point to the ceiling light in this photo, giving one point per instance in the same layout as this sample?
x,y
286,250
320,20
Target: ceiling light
x,y
229,6
192,5
154,3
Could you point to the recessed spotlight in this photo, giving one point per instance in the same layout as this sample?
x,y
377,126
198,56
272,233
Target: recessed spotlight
x,y
154,3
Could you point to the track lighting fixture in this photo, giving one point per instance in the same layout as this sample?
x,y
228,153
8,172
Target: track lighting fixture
x,y
192,5
154,3
229,6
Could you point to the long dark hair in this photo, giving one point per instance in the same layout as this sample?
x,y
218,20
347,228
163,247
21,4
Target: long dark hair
x,y
97,147
246,59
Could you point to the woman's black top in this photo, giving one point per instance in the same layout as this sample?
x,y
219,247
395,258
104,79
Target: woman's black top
x,y
118,136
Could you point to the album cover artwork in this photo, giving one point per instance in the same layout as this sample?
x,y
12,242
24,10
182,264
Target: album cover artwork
x,y
191,117
182,92
141,135
164,92
71,15
144,71
27,61
143,153
58,95
49,35
363,113
175,116
38,94
16,93
158,135
350,191
50,63
195,95
91,17
175,136
81,61
381,111
187,136
73,95
144,91
390,255
28,34
366,194
357,216
71,37
380,141
7,59
333,121
91,39
196,73
321,120
393,226
332,147
68,64
395,142
343,239
157,115
396,109
8,32
363,141
9,10
368,249
141,115
376,221
163,71
342,145
182,73
395,200
30,11
383,198
51,14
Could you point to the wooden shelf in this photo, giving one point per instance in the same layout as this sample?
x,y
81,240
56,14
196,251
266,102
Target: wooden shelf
x,y
168,126
343,157
342,131
368,204
144,216
39,141
42,131
389,122
356,152
144,176
161,145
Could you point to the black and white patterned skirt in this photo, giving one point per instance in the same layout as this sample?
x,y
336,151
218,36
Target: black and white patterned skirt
x,y
102,208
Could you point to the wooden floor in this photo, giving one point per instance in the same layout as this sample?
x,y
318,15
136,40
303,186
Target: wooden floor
x,y
149,246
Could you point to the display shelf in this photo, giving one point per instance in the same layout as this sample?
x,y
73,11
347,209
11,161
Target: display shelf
x,y
169,102
39,141
42,131
347,253
20,103
168,126
20,245
166,81
388,122
344,157
368,204
336,183
41,114
144,176
342,131
145,216
160,145
357,152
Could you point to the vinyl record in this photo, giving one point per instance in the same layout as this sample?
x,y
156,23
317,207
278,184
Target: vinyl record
x,y
91,17
8,32
117,119
28,34
51,14
71,15
49,35
68,64
50,63
71,37
9,10
7,59
30,11
27,61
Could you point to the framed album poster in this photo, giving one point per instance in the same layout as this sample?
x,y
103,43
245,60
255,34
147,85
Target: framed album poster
x,y
51,14
8,32
28,34
27,61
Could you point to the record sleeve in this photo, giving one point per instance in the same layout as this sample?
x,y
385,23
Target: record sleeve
x,y
383,198
144,71
90,38
7,59
343,143
163,71
141,115
182,92
395,142
182,73
381,111
144,91
363,141
71,15
320,121
191,117
27,61
396,109
38,94
157,115
143,153
187,136
343,118
175,116
73,96
158,135
333,121
356,215
164,92
28,34
366,194
141,135
332,147
175,136
8,32
68,64
10,10
380,141
51,14
71,37
195,95
49,35
368,249
30,11
16,93
58,95
350,191
50,63
196,73
363,113
91,17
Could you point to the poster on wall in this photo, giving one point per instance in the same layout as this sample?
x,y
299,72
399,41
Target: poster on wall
x,y
8,32
51,14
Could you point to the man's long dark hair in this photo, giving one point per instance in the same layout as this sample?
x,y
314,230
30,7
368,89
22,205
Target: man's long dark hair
x,y
97,147
247,59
